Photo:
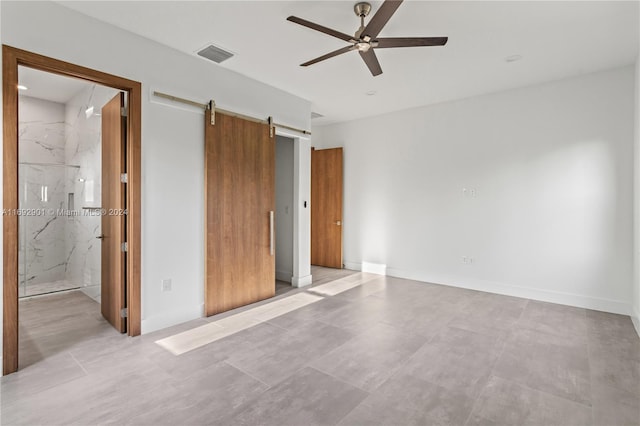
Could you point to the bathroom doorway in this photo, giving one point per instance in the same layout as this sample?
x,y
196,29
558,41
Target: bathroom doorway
x,y
60,205
51,192
59,183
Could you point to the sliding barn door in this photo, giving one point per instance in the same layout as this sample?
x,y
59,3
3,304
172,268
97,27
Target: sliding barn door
x,y
239,206
326,207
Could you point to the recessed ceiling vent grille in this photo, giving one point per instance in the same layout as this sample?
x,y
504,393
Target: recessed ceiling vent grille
x,y
316,115
215,54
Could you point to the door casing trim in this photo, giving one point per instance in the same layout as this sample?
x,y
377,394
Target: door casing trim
x,y
11,59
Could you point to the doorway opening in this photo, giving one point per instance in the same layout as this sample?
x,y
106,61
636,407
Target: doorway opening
x,y
50,184
59,198
284,213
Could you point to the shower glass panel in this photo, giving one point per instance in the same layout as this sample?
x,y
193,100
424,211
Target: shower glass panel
x,y
47,227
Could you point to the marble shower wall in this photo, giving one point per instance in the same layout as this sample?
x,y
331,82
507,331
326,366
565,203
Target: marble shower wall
x,y
83,148
43,249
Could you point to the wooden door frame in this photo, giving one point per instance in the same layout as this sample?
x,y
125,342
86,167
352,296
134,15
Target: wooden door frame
x,y
11,59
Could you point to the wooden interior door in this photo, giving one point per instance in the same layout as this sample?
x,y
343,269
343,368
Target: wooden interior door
x,y
113,295
239,208
326,207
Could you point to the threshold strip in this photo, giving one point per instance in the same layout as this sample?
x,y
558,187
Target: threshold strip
x,y
189,340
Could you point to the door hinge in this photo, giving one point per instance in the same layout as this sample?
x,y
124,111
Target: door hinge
x,y
124,247
124,313
124,112
212,107
124,178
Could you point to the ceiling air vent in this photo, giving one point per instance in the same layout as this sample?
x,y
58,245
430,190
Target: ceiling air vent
x,y
215,54
315,115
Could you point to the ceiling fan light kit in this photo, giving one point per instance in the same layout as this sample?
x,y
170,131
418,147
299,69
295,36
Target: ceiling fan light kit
x,y
366,39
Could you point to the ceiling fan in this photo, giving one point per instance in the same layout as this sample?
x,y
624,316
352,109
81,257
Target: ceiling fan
x,y
366,38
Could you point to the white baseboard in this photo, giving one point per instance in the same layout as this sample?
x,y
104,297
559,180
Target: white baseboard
x,y
580,301
635,318
587,302
284,276
158,322
374,268
301,281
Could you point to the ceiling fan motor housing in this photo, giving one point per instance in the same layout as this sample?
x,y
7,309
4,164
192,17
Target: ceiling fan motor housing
x,y
362,9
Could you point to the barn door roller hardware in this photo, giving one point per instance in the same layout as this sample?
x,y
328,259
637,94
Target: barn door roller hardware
x,y
211,105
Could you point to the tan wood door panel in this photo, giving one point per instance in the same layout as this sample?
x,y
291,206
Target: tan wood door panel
x,y
239,205
113,219
326,207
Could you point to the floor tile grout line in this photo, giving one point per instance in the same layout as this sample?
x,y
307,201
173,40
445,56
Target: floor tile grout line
x,y
493,367
45,388
226,361
368,393
504,346
590,408
524,385
78,362
337,379
475,402
404,363
307,364
321,370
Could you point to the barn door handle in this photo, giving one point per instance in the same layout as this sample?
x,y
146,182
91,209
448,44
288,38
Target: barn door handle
x,y
271,239
337,222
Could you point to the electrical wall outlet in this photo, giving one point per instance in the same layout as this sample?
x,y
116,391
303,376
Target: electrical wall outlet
x,y
466,260
166,285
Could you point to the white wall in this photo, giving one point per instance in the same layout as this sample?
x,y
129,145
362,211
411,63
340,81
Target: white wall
x,y
172,138
301,212
552,171
284,208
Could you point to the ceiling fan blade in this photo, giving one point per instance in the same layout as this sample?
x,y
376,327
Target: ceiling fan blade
x,y
381,18
410,42
371,60
317,27
328,55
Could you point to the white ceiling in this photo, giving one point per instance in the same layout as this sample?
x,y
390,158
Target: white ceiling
x,y
48,86
556,39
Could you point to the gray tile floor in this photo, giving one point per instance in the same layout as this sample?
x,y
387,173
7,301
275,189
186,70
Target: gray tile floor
x,y
283,287
391,352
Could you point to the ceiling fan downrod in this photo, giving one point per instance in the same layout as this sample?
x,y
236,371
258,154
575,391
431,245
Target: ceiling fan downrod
x,y
362,10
